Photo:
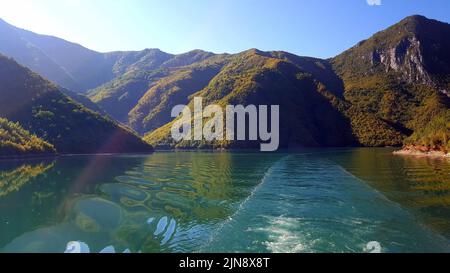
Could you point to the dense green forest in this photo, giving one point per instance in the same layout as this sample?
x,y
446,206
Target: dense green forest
x,y
16,141
401,75
41,108
389,90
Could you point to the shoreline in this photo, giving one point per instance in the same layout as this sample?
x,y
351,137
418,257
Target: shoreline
x,y
407,151
52,156
28,157
422,153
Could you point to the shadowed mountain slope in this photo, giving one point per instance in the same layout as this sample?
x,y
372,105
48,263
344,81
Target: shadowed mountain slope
x,y
41,108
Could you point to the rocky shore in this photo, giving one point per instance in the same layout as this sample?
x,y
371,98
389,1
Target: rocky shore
x,y
422,151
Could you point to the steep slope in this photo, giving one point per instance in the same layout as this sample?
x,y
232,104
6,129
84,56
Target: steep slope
x,y
44,110
386,91
119,96
414,50
435,134
77,68
188,58
154,107
122,94
320,69
401,75
147,59
13,44
83,100
16,141
308,108
68,64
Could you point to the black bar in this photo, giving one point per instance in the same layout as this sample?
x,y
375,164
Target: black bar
x,y
225,262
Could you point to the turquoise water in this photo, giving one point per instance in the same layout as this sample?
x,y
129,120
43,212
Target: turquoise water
x,y
311,201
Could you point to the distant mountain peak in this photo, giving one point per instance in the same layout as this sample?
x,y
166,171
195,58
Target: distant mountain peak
x,y
198,51
402,74
415,18
254,51
153,50
420,19
408,48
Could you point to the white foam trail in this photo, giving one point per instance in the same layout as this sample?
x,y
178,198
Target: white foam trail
x,y
244,203
282,236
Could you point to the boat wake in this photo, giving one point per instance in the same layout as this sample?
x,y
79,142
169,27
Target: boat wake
x,y
282,235
242,206
309,204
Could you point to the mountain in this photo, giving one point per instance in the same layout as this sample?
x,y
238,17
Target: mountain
x,y
389,90
16,141
13,44
402,75
309,106
121,97
154,108
83,100
41,108
77,68
415,50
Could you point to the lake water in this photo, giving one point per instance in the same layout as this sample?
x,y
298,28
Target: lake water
x,y
324,200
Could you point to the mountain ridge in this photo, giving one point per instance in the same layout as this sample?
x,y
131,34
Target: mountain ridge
x,y
45,111
388,90
76,67
402,75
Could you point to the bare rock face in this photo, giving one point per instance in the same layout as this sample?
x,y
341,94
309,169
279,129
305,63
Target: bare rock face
x,y
416,51
405,58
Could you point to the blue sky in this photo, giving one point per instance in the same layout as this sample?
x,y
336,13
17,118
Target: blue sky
x,y
320,28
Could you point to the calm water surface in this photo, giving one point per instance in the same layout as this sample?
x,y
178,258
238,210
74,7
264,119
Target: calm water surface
x,y
312,201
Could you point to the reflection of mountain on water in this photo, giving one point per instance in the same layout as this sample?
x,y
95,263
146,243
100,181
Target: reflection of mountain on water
x,y
99,223
421,184
167,202
201,187
185,185
44,202
13,176
174,202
